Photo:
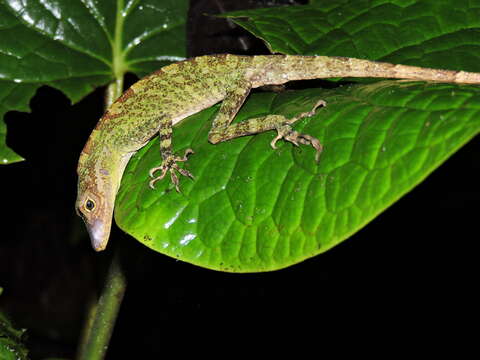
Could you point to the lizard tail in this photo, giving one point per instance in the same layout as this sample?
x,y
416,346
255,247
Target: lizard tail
x,y
313,67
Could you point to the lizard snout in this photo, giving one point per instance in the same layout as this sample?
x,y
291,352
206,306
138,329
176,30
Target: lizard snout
x,y
98,232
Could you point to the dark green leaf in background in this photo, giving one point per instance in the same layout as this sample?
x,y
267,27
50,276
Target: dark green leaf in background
x,y
75,46
433,33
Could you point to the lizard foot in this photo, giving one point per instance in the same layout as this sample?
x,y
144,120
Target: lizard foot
x,y
287,133
169,164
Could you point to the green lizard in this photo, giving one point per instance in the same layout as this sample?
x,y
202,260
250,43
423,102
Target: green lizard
x,y
159,101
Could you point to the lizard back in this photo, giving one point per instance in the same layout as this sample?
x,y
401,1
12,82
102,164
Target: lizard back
x,y
169,94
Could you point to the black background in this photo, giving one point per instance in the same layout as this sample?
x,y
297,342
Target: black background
x,y
414,267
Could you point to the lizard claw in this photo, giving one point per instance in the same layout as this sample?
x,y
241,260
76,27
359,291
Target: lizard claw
x,y
170,164
310,140
155,179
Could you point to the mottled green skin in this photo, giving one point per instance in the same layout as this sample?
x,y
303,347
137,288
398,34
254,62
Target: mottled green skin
x,y
157,102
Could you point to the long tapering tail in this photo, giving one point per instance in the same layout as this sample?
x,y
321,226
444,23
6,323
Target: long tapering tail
x,y
296,67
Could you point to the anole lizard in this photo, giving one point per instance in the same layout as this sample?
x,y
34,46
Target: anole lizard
x,y
159,101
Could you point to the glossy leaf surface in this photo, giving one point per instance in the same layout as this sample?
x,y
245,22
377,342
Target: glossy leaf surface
x,y
255,209
431,33
76,45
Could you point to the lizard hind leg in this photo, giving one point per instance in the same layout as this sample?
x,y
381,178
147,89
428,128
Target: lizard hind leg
x,y
223,129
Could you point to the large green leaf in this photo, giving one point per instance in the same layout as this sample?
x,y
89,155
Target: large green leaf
x,y
76,45
254,209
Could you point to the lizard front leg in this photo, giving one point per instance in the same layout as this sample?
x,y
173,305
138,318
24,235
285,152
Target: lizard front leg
x,y
169,160
223,130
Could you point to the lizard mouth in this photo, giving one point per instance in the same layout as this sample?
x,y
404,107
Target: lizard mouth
x,y
97,233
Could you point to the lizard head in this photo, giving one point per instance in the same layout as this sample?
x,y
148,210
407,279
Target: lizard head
x,y
97,188
99,176
96,210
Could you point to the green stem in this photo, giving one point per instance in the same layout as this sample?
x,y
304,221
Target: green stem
x,y
105,314
114,90
101,316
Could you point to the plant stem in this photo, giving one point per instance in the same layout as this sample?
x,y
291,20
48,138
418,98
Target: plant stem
x,y
102,315
106,313
114,90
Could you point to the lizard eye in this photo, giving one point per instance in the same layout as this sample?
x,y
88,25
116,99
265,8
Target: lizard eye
x,y
89,205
